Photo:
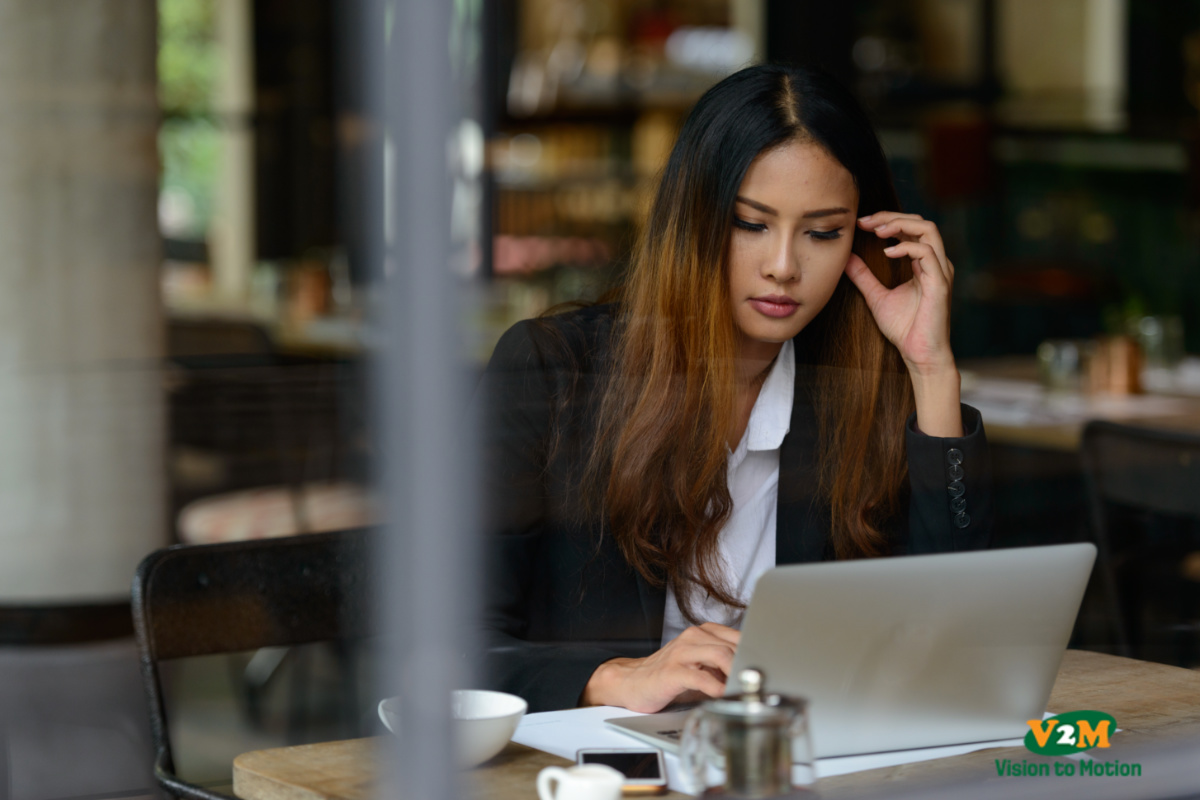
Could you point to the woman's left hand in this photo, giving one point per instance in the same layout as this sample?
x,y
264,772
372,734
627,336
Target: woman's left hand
x,y
914,316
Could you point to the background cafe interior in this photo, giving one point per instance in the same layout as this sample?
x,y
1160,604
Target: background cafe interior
x,y
214,224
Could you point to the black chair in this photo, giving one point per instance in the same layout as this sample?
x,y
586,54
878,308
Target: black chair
x,y
239,422
215,336
243,416
1143,489
195,600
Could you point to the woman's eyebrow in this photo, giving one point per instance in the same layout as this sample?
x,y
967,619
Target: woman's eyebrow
x,y
758,206
820,212
826,212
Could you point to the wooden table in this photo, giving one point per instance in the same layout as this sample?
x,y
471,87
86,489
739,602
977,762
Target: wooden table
x,y
1065,436
1151,702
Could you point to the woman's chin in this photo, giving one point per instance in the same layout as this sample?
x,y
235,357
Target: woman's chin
x,y
771,332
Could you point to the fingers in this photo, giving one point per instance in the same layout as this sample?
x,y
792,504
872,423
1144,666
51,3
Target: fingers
x,y
701,648
702,680
680,668
709,647
717,657
712,633
690,697
689,670
722,632
861,276
910,227
926,266
887,224
698,660
897,225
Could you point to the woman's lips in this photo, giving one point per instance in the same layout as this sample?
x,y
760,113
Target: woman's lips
x,y
774,305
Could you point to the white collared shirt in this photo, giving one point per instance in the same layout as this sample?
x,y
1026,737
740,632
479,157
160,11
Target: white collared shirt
x,y
746,545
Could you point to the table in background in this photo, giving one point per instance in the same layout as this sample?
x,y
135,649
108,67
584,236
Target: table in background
x,y
1008,387
1037,474
1150,702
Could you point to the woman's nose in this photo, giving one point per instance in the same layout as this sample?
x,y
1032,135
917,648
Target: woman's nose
x,y
781,264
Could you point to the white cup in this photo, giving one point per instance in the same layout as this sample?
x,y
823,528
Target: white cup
x,y
586,782
483,721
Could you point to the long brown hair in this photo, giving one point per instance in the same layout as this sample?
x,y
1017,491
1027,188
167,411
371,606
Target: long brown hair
x,y
657,471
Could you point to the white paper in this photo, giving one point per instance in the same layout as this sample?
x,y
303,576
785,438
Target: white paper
x,y
565,732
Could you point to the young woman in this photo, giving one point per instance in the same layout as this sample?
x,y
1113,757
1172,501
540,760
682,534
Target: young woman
x,y
774,385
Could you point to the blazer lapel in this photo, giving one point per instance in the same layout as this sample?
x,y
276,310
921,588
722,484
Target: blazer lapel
x,y
799,536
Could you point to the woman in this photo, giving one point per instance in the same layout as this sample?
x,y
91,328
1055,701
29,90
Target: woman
x,y
774,385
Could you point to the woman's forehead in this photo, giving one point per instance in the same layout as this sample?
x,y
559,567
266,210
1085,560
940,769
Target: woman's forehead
x,y
800,175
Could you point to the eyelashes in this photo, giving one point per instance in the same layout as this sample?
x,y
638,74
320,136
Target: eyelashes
x,y
753,227
826,236
757,227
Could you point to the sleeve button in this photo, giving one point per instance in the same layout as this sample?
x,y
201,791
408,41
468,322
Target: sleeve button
x,y
955,472
954,456
958,504
956,489
961,520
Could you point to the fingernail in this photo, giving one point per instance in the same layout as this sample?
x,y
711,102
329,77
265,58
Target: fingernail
x,y
864,219
891,250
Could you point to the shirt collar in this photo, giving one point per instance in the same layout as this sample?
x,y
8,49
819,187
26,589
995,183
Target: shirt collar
x,y
771,417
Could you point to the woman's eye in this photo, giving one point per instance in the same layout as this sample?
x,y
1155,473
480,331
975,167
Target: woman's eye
x,y
826,235
754,227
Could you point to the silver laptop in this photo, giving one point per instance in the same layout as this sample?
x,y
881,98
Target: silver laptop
x,y
917,651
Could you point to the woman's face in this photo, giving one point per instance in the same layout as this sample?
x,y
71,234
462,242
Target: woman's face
x,y
793,227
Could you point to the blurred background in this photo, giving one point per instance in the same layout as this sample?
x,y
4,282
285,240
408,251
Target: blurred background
x,y
190,189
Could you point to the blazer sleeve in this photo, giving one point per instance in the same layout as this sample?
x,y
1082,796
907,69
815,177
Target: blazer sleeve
x,y
950,505
517,396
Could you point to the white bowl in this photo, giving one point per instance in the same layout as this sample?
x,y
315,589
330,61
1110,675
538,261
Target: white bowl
x,y
483,721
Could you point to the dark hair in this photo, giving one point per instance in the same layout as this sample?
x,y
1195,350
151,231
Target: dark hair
x,y
753,111
657,474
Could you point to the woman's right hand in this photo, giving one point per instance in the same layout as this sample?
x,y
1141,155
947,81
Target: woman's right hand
x,y
696,661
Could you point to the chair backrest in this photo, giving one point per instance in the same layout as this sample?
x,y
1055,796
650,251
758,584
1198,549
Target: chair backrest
x,y
194,600
216,337
1143,468
267,421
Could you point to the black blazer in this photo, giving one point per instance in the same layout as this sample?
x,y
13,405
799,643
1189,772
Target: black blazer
x,y
559,598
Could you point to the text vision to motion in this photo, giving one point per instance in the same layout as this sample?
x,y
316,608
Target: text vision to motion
x,y
1070,734
1006,767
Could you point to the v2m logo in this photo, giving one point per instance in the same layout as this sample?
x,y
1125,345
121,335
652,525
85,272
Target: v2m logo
x,y
1070,733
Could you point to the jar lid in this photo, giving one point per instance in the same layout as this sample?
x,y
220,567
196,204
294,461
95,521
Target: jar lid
x,y
751,703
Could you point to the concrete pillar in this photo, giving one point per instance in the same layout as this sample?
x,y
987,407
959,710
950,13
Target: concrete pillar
x,y
81,331
232,236
750,17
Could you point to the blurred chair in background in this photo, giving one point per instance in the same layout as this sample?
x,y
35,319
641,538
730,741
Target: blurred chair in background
x,y
213,337
1143,490
226,598
262,443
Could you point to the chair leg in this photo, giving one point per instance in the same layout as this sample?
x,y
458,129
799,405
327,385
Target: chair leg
x,y
258,673
1116,613
1104,561
300,685
347,661
1187,632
